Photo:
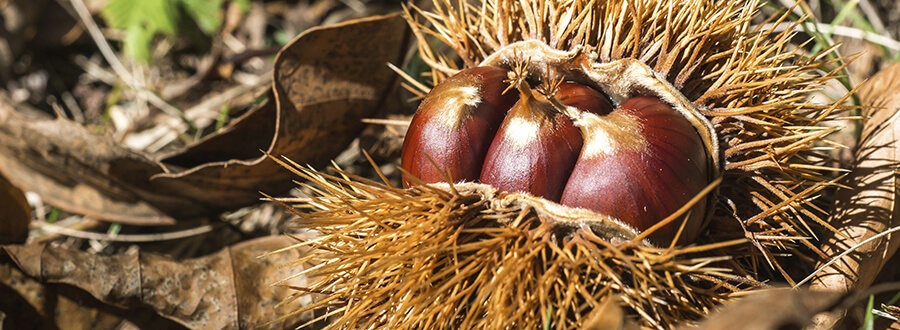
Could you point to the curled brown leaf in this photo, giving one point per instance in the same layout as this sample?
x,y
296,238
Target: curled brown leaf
x,y
79,171
326,81
869,206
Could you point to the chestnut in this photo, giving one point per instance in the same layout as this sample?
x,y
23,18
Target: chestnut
x,y
583,98
536,147
455,124
564,142
639,164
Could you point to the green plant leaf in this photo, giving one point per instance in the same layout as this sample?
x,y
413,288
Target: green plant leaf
x,y
869,320
207,13
141,21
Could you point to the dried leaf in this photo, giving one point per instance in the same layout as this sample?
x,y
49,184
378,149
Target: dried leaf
x,y
78,171
228,289
14,214
772,309
23,296
326,81
869,207
30,304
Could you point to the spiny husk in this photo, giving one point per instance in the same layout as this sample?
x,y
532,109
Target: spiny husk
x,y
750,83
428,258
447,258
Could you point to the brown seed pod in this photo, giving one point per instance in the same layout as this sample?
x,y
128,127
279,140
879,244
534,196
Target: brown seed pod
x,y
536,147
640,164
455,125
637,165
534,150
465,255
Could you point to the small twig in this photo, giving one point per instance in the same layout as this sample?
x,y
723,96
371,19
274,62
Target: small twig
x,y
884,314
872,17
202,114
355,5
95,71
127,237
385,122
198,111
74,108
100,40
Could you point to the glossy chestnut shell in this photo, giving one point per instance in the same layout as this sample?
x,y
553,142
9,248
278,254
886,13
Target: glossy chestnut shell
x,y
455,124
636,163
646,175
537,146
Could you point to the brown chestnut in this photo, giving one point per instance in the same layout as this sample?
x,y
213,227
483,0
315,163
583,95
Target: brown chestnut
x,y
583,98
536,147
455,125
640,164
637,163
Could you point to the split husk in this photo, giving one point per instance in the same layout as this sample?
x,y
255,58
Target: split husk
x,y
466,256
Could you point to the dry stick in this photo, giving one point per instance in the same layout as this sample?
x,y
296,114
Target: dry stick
x,y
355,5
117,66
126,237
385,122
199,115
